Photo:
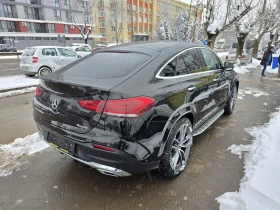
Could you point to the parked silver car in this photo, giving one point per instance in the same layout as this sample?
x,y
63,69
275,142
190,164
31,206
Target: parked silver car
x,y
43,60
82,51
245,58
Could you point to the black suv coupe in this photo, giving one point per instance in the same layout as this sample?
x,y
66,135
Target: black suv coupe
x,y
135,107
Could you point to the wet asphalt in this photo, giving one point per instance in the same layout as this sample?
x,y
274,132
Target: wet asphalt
x,y
50,180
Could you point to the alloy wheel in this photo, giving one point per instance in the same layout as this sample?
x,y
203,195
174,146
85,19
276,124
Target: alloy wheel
x,y
181,148
44,71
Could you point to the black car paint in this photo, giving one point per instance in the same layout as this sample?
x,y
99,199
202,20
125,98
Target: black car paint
x,y
141,140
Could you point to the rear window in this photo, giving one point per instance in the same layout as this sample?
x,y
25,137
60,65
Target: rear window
x,y
29,51
106,65
233,52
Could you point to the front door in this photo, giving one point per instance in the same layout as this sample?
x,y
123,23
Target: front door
x,y
219,82
67,56
196,83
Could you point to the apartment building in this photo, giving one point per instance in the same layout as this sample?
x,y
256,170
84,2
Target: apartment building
x,y
142,19
39,22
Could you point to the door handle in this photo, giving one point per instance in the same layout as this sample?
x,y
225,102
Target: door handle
x,y
191,88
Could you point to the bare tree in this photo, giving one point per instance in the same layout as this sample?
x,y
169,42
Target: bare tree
x,y
88,10
268,20
223,14
116,15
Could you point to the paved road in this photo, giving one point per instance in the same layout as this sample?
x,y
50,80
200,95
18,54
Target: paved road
x,y
53,181
9,67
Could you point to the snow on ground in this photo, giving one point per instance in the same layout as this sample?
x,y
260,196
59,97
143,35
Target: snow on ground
x,y
17,92
250,91
259,188
11,82
11,154
270,70
241,69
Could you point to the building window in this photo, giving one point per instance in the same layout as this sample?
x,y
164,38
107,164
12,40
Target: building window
x,y
129,17
57,15
7,26
134,18
67,2
32,1
101,2
140,29
66,29
134,29
6,11
32,13
101,13
50,28
134,7
145,19
145,30
129,28
55,3
141,9
103,33
34,28
145,9
113,28
68,17
140,19
102,24
150,11
114,39
129,6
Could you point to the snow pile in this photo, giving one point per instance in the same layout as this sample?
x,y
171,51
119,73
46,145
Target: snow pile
x,y
270,70
11,154
252,91
241,69
11,82
17,92
259,188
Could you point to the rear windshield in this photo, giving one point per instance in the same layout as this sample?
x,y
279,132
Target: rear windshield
x,y
29,51
106,65
233,52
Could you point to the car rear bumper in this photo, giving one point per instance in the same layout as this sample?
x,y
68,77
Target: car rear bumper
x,y
117,163
29,68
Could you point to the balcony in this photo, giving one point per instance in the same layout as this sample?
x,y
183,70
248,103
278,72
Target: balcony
x,y
32,2
8,15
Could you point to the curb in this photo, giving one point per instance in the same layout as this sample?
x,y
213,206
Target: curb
x,y
19,88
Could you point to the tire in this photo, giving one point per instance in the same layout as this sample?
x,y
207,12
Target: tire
x,y
231,102
172,162
29,75
43,71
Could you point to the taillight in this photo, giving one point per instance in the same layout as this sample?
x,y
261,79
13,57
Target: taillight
x,y
243,56
130,107
35,59
103,148
38,91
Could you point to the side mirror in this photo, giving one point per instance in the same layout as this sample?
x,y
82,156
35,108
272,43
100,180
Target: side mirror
x,y
228,66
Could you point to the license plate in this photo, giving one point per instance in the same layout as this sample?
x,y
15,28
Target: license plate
x,y
24,68
63,145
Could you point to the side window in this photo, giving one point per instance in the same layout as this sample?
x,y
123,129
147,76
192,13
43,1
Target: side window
x,y
80,49
211,60
49,52
181,67
67,53
169,70
192,60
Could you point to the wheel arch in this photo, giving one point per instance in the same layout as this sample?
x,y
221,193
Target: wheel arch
x,y
45,66
185,112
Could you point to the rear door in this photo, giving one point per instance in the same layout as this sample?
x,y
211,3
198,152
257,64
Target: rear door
x,y
217,79
196,83
67,56
50,58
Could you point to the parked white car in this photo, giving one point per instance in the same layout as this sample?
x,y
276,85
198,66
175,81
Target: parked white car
x,y
43,60
245,59
81,45
82,51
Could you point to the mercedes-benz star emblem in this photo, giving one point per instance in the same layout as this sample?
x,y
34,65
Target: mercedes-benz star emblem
x,y
55,104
